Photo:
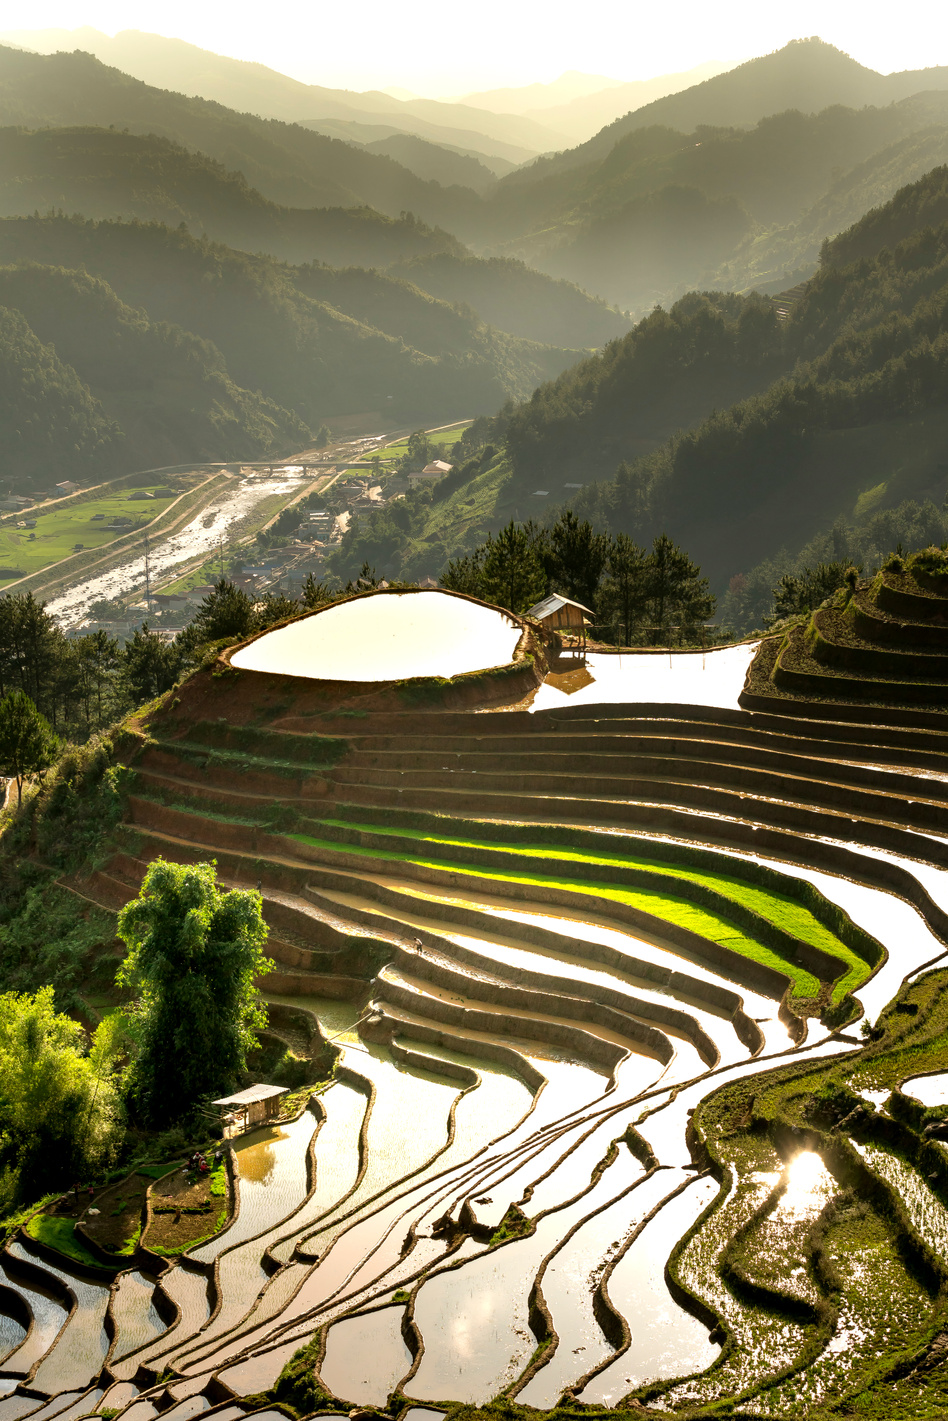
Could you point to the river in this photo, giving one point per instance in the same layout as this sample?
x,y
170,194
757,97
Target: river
x,y
222,518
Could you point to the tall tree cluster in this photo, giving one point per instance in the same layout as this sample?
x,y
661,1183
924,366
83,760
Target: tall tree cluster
x,y
639,596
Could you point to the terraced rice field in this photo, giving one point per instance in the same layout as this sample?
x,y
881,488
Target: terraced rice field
x,y
603,1126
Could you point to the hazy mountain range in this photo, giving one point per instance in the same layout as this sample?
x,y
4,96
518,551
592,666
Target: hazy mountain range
x,y
529,120
781,152
376,272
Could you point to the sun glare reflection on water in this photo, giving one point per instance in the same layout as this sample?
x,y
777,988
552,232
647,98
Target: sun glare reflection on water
x,y
809,1186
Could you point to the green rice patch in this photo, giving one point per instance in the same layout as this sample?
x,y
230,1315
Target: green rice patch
x,y
158,1171
777,908
61,1235
703,921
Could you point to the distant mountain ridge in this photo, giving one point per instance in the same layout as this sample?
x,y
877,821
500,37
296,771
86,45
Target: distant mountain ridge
x,y
251,87
581,115
835,412
808,75
287,163
666,211
638,216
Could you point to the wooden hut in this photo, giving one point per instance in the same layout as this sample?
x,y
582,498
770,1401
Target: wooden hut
x,y
248,1108
562,614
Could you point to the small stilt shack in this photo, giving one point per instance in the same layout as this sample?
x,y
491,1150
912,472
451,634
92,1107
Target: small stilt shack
x,y
248,1108
562,614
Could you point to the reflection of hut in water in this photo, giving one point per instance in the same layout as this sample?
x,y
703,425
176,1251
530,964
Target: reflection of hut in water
x,y
562,614
250,1107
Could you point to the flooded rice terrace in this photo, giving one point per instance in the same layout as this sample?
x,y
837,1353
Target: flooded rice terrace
x,y
514,1184
201,537
387,638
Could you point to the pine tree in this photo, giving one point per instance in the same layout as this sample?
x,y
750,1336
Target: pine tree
x,y
513,573
225,612
576,557
624,595
679,598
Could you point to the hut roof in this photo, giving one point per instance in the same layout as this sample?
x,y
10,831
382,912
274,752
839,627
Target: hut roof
x,y
252,1093
555,603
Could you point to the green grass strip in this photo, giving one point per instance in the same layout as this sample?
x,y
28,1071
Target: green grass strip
x,y
703,921
785,912
61,1235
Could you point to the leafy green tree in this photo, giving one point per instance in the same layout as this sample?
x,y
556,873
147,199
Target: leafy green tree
x,y
27,744
679,598
512,571
420,452
194,954
624,594
59,1103
323,436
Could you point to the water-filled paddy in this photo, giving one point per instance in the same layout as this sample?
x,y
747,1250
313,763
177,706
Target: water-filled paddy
x,y
137,1320
366,1357
930,1090
188,1290
388,637
666,1340
475,1319
713,678
49,1314
84,1343
12,1332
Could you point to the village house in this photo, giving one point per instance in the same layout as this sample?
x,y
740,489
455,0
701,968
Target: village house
x,y
431,472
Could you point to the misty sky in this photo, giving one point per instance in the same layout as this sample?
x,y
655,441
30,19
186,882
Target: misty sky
x,y
446,49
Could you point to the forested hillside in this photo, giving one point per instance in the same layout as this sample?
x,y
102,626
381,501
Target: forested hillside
x,y
166,389
48,418
838,412
860,423
915,206
666,209
104,172
297,349
729,184
101,172
508,294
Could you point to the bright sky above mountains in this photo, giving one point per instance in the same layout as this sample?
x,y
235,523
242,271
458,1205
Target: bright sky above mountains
x,y
445,50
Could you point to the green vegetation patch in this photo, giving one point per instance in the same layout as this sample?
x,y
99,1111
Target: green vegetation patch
x,y
779,909
158,1171
440,437
702,921
61,1235
57,532
174,1250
